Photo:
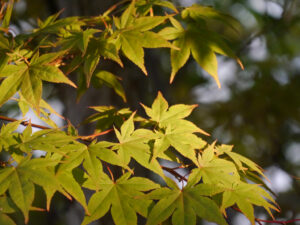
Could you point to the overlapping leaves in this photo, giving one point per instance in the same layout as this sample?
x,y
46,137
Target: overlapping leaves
x,y
184,205
199,41
68,165
174,130
134,34
28,77
122,196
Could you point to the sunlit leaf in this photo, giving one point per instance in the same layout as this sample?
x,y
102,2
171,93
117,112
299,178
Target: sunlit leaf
x,y
121,195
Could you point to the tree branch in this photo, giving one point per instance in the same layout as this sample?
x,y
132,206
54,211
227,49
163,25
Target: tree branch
x,y
259,221
24,123
174,173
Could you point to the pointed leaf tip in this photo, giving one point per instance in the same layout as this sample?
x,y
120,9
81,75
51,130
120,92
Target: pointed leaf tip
x,y
240,63
172,77
218,83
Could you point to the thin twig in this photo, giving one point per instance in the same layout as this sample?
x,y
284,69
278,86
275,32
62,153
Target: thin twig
x,y
93,136
174,173
277,221
269,221
24,123
110,172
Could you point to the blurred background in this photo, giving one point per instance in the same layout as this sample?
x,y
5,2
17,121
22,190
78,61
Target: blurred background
x,y
257,109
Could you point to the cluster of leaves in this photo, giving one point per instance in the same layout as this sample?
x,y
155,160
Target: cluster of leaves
x,y
217,177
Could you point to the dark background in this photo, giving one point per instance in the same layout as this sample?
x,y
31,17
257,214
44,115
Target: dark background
x,y
257,110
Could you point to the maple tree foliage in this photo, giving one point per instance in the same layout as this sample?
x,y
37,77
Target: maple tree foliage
x,y
217,176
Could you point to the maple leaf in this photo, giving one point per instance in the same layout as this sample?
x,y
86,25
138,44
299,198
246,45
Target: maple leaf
x,y
199,41
245,196
134,34
121,196
184,205
134,144
28,78
19,181
175,131
238,159
214,170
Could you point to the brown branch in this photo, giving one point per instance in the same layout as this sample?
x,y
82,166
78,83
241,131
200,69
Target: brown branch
x,y
24,123
93,136
269,221
277,221
174,173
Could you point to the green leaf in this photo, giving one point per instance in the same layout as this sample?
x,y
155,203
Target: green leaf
x,y
68,182
8,12
4,43
166,4
245,196
127,14
154,40
122,197
5,220
100,150
217,171
213,170
53,141
239,160
46,58
31,88
147,23
206,13
184,141
99,204
163,209
39,173
132,48
107,48
171,33
79,39
7,138
134,144
53,26
91,61
184,204
206,58
50,74
158,108
21,192
177,132
202,43
164,115
5,178
111,81
10,86
204,207
144,6
136,35
179,58
108,116
29,79
7,205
